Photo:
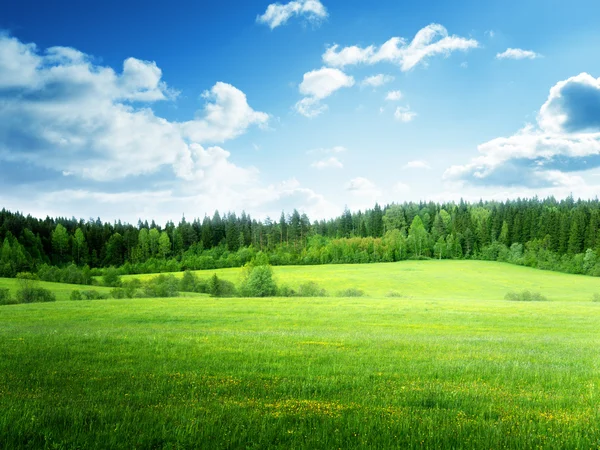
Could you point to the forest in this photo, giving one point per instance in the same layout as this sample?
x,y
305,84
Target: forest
x,y
546,234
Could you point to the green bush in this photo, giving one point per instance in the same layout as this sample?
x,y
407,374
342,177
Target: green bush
x,y
189,282
220,288
76,295
596,297
35,294
285,291
111,277
525,296
396,294
131,287
162,286
5,297
93,294
259,282
311,289
118,293
351,292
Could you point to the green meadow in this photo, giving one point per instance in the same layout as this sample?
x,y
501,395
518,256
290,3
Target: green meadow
x,y
433,280
445,362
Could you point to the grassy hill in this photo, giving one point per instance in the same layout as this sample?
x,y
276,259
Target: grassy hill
x,y
451,365
430,279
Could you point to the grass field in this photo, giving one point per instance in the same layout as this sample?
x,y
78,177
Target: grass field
x,y
432,280
62,291
451,365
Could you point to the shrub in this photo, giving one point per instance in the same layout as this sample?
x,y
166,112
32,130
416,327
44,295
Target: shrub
x,y
525,296
76,295
5,297
220,288
162,286
35,294
93,294
285,291
351,292
596,297
118,293
259,282
311,289
131,287
189,282
396,294
111,277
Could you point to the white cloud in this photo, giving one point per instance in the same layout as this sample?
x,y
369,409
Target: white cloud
x,y
565,140
404,114
401,188
517,53
328,163
364,193
93,129
417,164
393,96
531,158
323,82
62,112
310,107
360,184
278,14
490,34
464,65
377,80
573,105
317,85
429,41
225,116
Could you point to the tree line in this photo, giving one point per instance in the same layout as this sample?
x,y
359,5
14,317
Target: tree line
x,y
549,234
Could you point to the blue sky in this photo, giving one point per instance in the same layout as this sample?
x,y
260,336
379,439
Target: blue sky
x,y
128,110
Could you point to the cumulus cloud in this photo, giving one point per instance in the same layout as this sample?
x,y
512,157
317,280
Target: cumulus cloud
x,y
417,164
393,96
88,136
377,80
328,163
317,85
278,14
364,192
404,114
62,112
566,139
429,41
401,188
517,53
572,106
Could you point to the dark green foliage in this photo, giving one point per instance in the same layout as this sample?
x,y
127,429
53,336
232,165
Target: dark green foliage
x,y
131,287
29,290
189,282
286,291
259,282
35,294
525,296
547,234
351,292
93,294
161,286
111,277
6,298
311,289
76,295
218,287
